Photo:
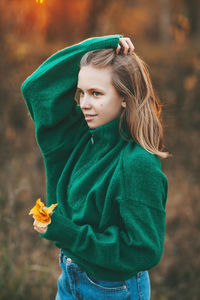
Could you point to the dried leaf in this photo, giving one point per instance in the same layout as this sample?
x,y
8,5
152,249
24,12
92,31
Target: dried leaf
x,y
41,213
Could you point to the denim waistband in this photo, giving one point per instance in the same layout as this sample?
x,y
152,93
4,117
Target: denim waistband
x,y
64,257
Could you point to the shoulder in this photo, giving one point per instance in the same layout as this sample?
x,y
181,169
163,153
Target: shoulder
x,y
139,165
135,156
143,176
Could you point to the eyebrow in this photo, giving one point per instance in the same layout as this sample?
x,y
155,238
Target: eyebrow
x,y
92,89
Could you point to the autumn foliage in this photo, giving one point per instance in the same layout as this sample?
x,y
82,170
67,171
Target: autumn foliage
x,y
166,35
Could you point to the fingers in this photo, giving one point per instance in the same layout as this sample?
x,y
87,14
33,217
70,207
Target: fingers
x,y
130,44
118,49
39,229
125,44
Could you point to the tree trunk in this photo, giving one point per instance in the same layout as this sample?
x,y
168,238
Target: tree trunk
x,y
96,9
164,21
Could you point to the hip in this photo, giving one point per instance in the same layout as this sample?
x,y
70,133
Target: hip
x,y
74,283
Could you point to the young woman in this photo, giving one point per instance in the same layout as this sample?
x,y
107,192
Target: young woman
x,y
99,129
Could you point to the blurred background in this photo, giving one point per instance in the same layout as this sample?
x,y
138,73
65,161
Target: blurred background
x,y
166,35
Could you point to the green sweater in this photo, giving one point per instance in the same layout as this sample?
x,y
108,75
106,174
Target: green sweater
x,y
111,193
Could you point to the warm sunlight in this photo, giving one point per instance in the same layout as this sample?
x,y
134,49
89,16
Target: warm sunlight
x,y
39,1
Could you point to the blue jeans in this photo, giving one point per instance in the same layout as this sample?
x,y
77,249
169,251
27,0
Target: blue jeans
x,y
74,283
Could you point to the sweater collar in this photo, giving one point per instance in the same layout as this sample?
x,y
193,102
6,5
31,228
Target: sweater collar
x,y
108,132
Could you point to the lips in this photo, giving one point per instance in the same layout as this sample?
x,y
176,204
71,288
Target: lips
x,y
89,116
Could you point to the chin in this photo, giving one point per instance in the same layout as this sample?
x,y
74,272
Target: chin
x,y
96,124
92,126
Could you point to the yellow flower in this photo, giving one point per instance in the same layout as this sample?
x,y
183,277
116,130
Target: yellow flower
x,y
42,214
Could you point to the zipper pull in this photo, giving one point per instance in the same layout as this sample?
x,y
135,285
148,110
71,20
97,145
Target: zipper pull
x,y
92,139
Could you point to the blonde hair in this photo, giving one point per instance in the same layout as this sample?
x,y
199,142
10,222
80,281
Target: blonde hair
x,y
131,79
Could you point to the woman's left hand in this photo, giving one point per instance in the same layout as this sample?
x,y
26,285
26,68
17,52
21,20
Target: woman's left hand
x,y
39,229
126,45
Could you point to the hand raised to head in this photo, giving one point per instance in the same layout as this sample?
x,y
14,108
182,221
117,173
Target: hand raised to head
x,y
126,45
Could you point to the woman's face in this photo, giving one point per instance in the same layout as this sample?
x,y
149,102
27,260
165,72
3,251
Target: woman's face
x,y
98,99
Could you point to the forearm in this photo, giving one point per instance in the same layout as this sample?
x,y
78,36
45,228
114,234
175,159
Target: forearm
x,y
131,249
49,94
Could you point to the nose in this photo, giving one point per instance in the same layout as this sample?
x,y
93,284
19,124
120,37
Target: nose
x,y
85,101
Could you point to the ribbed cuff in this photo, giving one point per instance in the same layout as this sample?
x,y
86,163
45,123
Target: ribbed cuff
x,y
61,226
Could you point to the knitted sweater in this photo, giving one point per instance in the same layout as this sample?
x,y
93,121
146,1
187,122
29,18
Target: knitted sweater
x,y
111,193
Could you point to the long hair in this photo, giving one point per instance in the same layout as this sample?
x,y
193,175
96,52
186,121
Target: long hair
x,y
131,79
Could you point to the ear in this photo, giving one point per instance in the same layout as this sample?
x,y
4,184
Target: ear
x,y
123,103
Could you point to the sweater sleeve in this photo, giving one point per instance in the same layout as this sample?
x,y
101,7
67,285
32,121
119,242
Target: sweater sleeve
x,y
137,243
49,94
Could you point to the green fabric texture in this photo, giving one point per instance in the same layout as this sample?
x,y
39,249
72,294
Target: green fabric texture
x,y
111,193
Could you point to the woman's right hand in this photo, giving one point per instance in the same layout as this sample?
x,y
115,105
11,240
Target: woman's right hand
x,y
126,45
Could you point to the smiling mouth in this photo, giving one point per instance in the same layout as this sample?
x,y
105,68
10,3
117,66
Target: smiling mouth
x,y
89,117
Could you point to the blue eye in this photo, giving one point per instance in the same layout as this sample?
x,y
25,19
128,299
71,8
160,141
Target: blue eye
x,y
94,93
97,94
